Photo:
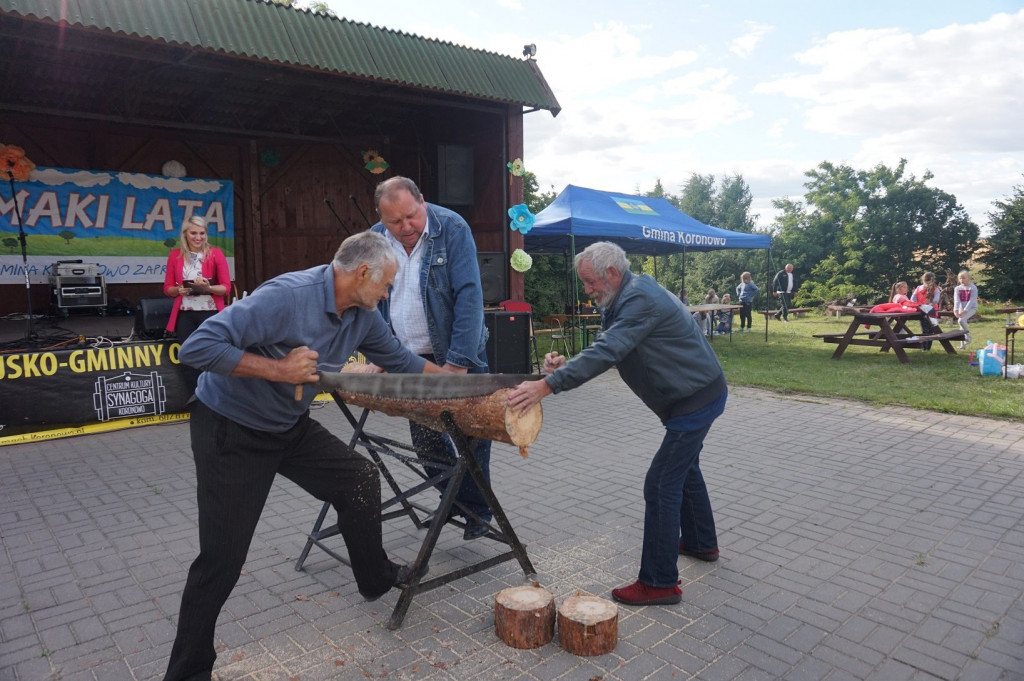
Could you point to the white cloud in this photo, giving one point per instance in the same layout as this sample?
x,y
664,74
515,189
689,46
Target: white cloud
x,y
170,184
83,178
744,45
510,4
956,88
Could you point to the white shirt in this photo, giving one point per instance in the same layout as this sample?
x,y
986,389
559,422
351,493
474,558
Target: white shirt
x,y
408,318
194,268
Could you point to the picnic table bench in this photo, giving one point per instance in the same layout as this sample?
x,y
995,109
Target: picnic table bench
x,y
889,332
798,311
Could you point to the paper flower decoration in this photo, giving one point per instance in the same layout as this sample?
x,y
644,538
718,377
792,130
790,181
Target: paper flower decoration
x,y
522,218
13,164
373,162
521,260
516,167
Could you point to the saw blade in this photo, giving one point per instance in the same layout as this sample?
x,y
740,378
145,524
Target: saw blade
x,y
422,386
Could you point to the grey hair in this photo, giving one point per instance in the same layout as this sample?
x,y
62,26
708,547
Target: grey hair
x,y
368,248
603,255
389,189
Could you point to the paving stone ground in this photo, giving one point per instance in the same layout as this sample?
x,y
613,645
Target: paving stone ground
x,y
857,543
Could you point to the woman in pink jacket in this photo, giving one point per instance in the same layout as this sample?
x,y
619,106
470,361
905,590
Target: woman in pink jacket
x,y
198,280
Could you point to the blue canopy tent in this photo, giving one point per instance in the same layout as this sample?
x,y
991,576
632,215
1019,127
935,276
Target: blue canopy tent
x,y
641,225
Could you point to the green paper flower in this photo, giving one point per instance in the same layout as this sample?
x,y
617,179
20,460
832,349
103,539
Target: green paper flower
x,y
521,260
516,167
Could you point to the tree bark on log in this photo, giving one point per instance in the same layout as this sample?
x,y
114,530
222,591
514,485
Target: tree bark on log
x,y
488,416
524,616
588,625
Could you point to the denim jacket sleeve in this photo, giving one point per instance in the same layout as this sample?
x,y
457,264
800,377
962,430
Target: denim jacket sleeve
x,y
466,339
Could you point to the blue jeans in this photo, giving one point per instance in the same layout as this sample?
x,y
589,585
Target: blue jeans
x,y
677,507
432,444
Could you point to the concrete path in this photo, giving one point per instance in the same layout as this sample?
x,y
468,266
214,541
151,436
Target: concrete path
x,y
857,543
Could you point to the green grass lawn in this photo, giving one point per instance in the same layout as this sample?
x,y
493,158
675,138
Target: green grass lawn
x,y
100,246
793,361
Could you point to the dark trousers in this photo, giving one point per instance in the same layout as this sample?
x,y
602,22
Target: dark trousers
x,y
437,446
677,507
187,322
235,467
929,326
785,301
746,316
434,445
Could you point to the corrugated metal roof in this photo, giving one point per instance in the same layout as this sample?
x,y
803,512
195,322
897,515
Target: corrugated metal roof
x,y
259,29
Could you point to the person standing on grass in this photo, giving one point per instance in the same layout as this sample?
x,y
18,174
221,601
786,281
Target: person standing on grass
x,y
745,292
784,284
965,304
657,346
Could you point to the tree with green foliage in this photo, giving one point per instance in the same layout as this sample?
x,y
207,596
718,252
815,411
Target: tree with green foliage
x,y
11,244
725,205
545,282
67,235
1004,256
316,6
170,242
859,231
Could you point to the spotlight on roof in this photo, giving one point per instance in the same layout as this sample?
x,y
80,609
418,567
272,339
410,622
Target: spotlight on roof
x,y
530,51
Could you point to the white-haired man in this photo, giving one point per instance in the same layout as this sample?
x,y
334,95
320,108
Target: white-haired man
x,y
663,357
247,427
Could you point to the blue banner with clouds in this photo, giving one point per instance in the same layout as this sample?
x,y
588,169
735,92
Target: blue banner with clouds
x,y
126,223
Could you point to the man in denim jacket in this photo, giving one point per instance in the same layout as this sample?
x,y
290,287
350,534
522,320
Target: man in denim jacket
x,y
663,357
436,309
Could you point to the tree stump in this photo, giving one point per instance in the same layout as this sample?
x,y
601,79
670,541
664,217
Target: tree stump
x,y
524,616
588,625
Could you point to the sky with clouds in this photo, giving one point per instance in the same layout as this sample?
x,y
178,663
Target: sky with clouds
x,y
664,89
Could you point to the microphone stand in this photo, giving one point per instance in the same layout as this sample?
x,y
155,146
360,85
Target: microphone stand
x,y
30,334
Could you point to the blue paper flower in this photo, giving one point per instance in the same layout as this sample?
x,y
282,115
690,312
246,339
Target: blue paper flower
x,y
522,218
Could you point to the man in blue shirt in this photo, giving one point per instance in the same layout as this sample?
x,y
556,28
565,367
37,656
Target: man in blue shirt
x,y
247,426
436,309
663,357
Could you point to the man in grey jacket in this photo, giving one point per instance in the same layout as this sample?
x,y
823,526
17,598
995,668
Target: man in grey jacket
x,y
664,358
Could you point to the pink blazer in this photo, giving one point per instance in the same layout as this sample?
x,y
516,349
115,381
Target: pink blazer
x,y
215,268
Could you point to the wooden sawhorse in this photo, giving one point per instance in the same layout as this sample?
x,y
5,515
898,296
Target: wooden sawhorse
x,y
434,520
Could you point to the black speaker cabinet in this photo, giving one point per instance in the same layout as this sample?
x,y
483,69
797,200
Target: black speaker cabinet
x,y
508,346
493,271
455,175
151,317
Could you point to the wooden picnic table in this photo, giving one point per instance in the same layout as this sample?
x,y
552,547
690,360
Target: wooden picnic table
x,y
715,310
888,332
1012,313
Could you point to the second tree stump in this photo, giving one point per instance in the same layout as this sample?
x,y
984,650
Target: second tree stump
x,y
588,625
524,616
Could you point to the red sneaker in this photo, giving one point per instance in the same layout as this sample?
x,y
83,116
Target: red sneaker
x,y
707,556
639,593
